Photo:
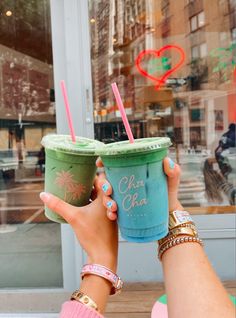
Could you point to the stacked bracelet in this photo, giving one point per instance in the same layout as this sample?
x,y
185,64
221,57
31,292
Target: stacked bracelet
x,y
181,230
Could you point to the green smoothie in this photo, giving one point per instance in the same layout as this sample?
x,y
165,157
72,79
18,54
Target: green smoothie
x,y
70,169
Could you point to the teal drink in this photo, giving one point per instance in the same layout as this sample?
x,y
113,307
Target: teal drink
x,y
136,174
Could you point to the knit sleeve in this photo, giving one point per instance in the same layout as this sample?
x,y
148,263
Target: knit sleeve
x,y
74,309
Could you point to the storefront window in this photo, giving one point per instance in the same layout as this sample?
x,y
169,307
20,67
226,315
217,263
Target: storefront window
x,y
194,105
30,249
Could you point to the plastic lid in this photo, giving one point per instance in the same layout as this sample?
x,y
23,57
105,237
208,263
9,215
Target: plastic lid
x,y
139,145
82,146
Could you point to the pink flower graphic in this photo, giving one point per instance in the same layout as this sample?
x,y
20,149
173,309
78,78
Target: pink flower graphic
x,y
73,190
64,179
76,190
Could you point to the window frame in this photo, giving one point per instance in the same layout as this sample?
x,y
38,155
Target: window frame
x,y
66,17
196,18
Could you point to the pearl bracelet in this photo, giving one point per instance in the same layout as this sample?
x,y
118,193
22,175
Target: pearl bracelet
x,y
176,241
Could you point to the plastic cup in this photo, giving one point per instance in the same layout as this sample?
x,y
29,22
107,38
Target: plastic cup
x,y
70,170
136,174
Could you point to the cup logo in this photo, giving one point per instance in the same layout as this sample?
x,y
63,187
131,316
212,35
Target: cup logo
x,y
72,189
131,200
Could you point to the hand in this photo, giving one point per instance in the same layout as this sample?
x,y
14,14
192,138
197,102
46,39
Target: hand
x,y
97,235
171,169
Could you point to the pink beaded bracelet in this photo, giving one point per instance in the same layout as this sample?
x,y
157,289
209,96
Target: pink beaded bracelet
x,y
102,271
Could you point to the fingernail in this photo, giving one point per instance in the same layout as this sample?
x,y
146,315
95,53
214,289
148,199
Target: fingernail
x,y
109,204
105,187
44,196
171,164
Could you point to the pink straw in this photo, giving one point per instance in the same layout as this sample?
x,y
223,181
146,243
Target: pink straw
x,y
66,101
122,112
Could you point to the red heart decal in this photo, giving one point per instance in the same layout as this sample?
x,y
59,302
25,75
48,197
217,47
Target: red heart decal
x,y
157,53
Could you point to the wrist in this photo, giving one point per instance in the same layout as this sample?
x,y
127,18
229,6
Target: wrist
x,y
176,206
109,261
98,289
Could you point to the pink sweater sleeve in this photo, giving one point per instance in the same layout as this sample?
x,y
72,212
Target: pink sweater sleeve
x,y
74,309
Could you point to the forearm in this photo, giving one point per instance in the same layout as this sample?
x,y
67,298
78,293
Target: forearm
x,y
98,289
192,287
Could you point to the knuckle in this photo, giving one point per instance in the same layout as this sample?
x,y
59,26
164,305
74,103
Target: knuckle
x,y
57,204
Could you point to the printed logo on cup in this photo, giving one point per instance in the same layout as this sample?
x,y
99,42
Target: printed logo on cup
x,y
131,200
72,189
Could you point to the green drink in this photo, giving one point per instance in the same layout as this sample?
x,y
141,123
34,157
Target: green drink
x,y
70,170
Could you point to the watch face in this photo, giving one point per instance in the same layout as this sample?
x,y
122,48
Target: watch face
x,y
183,216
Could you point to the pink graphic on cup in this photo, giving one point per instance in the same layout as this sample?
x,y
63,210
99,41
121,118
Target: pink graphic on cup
x,y
73,189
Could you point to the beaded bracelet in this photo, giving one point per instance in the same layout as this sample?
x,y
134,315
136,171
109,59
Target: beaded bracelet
x,y
177,231
177,241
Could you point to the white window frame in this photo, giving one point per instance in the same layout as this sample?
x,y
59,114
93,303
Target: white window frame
x,y
71,61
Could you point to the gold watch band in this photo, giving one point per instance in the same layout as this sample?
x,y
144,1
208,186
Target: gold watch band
x,y
84,299
183,231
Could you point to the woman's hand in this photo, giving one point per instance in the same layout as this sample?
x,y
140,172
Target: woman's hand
x,y
172,170
97,235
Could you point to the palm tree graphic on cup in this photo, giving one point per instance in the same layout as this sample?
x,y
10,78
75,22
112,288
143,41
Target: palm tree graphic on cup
x,y
73,189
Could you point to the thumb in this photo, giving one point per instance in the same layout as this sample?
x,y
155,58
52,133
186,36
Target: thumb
x,y
172,171
65,210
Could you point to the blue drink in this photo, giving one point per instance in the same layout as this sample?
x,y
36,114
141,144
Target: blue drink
x,y
136,174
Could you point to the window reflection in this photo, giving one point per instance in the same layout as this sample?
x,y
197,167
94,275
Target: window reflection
x,y
27,113
194,104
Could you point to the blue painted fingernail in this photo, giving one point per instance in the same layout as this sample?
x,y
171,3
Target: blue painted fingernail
x,y
171,164
109,204
105,187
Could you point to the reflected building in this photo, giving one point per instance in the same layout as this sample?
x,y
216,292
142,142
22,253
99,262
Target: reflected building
x,y
194,114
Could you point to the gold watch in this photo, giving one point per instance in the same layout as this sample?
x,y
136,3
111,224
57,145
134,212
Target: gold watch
x,y
178,218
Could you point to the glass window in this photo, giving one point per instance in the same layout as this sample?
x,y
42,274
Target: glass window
x,y
197,21
195,52
194,106
193,23
203,50
30,249
201,19
234,34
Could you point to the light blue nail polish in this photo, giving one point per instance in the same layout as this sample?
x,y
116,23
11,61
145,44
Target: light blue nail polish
x,y
109,204
105,187
171,164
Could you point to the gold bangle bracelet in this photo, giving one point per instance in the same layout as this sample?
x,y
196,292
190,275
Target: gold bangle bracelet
x,y
177,241
184,231
84,299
